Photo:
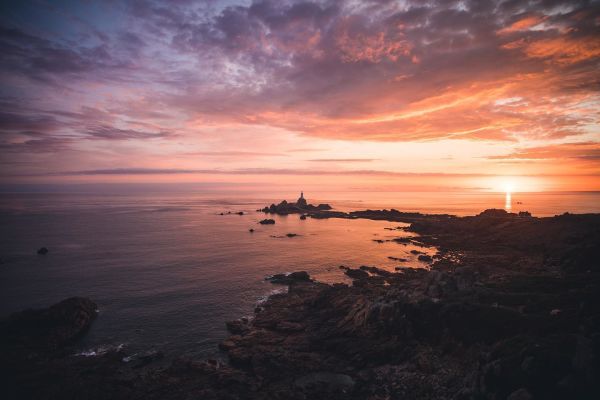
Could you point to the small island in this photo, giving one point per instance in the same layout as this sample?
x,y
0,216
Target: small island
x,y
301,206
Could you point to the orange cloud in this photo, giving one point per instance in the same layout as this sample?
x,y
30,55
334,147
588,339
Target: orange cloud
x,y
560,50
522,24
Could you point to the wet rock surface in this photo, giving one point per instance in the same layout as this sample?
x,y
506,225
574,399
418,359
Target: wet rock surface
x,y
509,310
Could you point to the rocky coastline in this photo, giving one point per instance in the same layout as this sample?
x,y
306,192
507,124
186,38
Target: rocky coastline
x,y
509,310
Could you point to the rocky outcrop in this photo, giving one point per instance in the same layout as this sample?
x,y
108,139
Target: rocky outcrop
x,y
285,208
49,329
288,279
267,221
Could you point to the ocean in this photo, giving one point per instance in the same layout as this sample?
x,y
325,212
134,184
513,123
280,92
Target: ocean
x,y
167,270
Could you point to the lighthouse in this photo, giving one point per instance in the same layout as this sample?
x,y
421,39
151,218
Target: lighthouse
x,y
301,200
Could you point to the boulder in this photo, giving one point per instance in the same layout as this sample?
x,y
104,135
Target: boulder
x,y
288,279
50,328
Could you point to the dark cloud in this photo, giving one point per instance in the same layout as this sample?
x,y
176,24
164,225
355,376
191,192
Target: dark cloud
x,y
111,133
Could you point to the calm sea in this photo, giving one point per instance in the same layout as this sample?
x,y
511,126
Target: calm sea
x,y
167,270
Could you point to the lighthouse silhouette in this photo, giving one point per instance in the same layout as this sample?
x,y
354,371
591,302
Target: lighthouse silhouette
x,y
301,201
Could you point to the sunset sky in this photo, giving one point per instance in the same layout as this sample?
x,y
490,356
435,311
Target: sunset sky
x,y
364,95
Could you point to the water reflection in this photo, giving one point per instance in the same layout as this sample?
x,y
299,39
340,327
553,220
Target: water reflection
x,y
508,202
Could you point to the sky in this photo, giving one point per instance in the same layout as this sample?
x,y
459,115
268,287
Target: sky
x,y
350,95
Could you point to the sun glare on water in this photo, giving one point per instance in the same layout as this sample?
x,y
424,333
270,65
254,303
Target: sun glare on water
x,y
508,187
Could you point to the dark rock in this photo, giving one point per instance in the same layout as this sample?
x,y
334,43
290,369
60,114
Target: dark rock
x,y
267,221
287,279
520,394
425,258
147,357
355,273
299,207
290,235
327,382
251,230
494,213
50,328
42,251
303,216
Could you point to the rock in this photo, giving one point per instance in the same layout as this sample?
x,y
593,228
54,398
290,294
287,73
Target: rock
x,y
325,382
290,235
238,326
303,216
287,326
287,279
425,258
355,273
251,230
240,213
147,357
375,270
494,213
299,207
520,394
267,221
50,328
42,251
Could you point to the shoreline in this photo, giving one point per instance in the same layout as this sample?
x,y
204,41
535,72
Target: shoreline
x,y
503,287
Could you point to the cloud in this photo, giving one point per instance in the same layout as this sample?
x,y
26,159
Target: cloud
x,y
105,132
245,79
345,160
579,151
233,153
247,171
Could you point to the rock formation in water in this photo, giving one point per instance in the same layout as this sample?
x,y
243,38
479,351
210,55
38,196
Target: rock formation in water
x,y
301,206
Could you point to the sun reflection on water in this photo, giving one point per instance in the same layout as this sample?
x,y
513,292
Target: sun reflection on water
x,y
508,201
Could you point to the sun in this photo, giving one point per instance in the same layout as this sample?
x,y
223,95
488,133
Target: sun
x,y
504,184
508,186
